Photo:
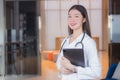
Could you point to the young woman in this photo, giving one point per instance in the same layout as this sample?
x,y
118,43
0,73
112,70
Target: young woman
x,y
80,38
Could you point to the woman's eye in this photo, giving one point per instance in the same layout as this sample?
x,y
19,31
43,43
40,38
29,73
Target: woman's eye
x,y
76,16
73,16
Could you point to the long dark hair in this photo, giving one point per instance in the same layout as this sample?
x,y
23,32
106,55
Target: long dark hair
x,y
85,26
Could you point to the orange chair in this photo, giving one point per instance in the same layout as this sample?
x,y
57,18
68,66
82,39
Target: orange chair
x,y
50,55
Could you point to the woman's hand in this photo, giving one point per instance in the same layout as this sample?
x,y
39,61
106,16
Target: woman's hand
x,y
67,64
65,71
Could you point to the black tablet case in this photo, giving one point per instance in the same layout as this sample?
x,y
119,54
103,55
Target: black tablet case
x,y
76,56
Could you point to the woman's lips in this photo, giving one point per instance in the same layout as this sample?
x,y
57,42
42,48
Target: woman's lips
x,y
73,24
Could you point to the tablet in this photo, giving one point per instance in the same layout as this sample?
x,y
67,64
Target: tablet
x,y
76,56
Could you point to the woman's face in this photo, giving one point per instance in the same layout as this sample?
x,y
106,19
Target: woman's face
x,y
75,19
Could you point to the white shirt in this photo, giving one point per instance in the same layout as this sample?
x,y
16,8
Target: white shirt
x,y
93,66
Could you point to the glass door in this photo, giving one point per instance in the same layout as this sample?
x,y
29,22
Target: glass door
x,y
22,37
114,33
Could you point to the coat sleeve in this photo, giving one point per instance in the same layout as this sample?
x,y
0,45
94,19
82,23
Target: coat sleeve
x,y
58,61
93,70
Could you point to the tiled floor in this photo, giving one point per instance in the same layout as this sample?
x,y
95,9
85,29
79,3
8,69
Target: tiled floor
x,y
49,70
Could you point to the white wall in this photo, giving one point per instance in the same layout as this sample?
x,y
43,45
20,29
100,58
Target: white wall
x,y
2,37
1,23
56,18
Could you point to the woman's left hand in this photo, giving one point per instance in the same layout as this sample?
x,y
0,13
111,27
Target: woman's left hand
x,y
66,63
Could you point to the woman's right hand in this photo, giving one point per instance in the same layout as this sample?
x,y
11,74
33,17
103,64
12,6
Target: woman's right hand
x,y
65,71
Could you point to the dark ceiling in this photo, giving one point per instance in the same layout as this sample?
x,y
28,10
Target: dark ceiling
x,y
24,6
27,6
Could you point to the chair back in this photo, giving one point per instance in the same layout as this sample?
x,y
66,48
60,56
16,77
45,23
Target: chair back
x,y
111,71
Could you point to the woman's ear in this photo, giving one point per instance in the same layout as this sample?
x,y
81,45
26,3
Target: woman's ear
x,y
84,20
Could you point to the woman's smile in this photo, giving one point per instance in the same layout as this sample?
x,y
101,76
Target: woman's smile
x,y
73,24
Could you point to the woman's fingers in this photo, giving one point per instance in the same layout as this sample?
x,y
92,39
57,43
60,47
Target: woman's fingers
x,y
65,71
66,63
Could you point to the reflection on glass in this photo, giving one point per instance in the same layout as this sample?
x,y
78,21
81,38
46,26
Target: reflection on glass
x,y
114,33
21,34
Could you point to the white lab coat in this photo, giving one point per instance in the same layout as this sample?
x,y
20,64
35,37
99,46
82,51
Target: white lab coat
x,y
93,66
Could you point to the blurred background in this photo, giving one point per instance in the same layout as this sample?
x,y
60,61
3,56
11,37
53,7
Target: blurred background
x,y
32,31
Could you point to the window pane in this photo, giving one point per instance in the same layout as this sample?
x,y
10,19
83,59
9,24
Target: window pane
x,y
85,3
52,28
67,4
64,24
96,24
51,4
96,4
